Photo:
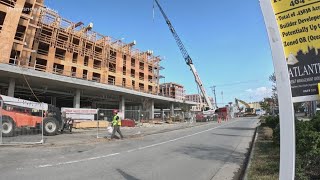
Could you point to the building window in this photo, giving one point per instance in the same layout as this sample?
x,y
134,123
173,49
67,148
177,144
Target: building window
x,y
58,68
96,77
85,74
2,17
111,80
86,61
60,54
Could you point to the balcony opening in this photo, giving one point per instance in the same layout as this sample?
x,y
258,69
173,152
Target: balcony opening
x,y
89,46
96,77
124,70
60,54
133,62
41,64
113,55
43,48
27,9
141,65
150,69
14,56
75,57
73,71
20,33
150,79
63,37
111,80
75,41
133,73
141,76
58,68
10,3
141,86
85,74
133,84
2,17
123,82
150,88
124,57
112,67
97,64
46,32
86,61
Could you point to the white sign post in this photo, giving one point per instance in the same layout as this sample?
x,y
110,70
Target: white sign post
x,y
287,124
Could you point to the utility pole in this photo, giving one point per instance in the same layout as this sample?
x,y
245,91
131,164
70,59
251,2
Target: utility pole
x,y
214,93
222,97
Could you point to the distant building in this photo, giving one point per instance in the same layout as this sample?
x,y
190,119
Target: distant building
x,y
197,98
172,90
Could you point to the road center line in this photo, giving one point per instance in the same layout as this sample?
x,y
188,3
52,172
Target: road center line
x,y
128,151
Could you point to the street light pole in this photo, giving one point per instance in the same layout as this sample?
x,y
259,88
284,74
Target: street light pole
x,y
214,93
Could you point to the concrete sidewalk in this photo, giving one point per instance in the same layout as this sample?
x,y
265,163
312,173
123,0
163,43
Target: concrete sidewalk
x,y
89,136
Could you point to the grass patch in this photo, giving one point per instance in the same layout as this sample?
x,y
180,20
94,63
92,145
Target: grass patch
x,y
266,158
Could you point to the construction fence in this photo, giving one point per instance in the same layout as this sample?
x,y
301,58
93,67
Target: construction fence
x,y
21,122
105,116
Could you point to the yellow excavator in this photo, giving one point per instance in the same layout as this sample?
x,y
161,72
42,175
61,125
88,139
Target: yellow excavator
x,y
248,111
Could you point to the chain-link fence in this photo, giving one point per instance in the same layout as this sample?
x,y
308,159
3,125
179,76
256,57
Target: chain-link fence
x,y
133,115
104,118
21,121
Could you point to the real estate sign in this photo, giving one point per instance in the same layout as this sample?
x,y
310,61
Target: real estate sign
x,y
299,25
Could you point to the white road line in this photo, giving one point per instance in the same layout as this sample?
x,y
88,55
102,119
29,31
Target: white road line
x,y
77,161
132,150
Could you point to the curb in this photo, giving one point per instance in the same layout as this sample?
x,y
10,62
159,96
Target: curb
x,y
252,147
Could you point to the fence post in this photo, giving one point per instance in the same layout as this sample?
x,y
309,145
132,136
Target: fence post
x,y
139,114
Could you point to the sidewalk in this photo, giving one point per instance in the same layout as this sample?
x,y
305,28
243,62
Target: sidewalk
x,y
89,136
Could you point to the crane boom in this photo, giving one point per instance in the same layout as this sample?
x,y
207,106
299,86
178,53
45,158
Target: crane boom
x,y
186,57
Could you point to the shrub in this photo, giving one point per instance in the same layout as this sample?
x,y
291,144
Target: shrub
x,y
272,121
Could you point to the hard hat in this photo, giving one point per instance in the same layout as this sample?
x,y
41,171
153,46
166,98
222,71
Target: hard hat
x,y
115,111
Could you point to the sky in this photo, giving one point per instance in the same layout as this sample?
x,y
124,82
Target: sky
x,y
226,40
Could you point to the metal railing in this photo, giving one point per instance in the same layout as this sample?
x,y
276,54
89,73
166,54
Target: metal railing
x,y
111,81
95,66
59,56
96,79
19,36
42,52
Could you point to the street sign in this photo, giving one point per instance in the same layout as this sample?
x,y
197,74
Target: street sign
x,y
299,25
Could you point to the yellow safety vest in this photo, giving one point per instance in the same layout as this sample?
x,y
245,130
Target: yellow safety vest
x,y
115,121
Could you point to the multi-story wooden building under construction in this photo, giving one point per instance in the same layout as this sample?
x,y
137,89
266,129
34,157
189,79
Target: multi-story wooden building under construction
x,y
58,56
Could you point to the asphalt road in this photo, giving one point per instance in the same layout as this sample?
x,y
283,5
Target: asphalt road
x,y
212,151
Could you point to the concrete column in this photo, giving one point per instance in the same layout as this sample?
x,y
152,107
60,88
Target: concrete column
x,y
122,106
54,101
151,109
171,109
76,99
12,84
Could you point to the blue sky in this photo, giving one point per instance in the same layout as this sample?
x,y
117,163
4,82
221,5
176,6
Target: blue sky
x,y
227,40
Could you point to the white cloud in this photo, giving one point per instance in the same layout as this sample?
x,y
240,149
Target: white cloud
x,y
259,93
249,90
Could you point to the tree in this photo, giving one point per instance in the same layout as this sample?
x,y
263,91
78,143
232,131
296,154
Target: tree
x,y
272,78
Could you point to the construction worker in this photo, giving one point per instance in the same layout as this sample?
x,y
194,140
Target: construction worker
x,y
116,123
